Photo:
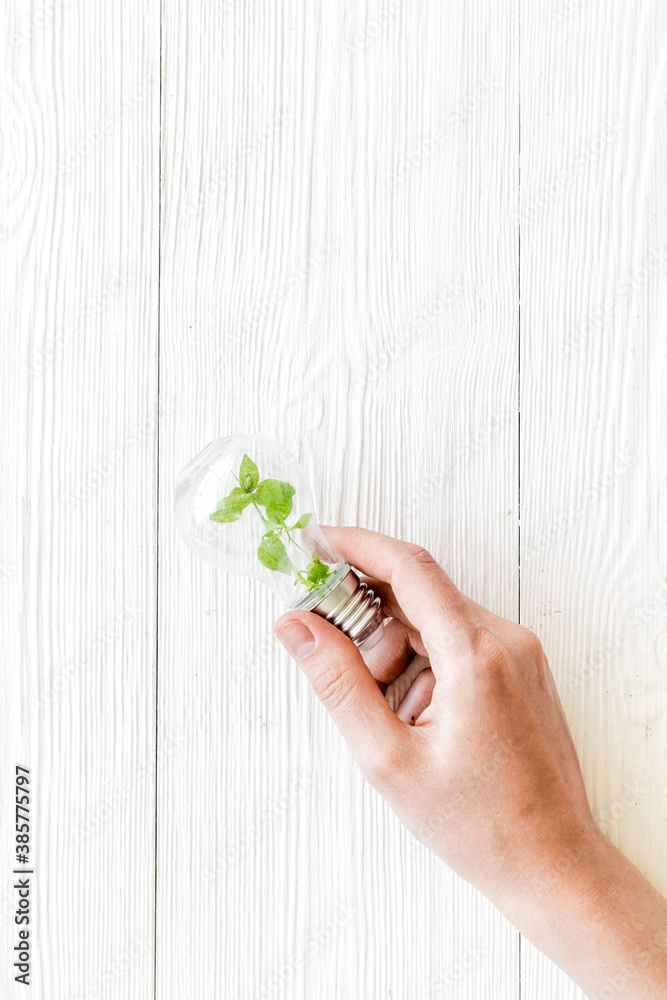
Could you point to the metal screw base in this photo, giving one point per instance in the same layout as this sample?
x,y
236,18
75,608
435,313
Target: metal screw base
x,y
355,610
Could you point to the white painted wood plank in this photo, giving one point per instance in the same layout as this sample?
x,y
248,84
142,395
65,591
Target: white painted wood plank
x,y
593,418
339,271
78,265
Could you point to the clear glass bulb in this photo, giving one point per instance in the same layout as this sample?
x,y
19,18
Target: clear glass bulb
x,y
245,504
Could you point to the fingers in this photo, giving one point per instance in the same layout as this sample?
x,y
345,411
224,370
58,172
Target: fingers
x,y
343,682
397,690
392,654
427,597
418,697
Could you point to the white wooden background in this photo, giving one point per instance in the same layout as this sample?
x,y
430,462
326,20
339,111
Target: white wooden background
x,y
374,231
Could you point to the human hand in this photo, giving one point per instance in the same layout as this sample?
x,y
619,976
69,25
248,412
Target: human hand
x,y
477,761
487,775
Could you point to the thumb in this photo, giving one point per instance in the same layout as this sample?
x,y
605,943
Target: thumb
x,y
342,681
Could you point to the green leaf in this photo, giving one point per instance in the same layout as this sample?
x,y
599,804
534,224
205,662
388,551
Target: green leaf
x,y
317,573
302,522
276,496
230,508
272,554
248,475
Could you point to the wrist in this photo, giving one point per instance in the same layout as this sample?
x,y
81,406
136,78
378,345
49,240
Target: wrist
x,y
594,914
557,873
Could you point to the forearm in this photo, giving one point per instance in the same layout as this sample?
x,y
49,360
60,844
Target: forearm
x,y
600,920
488,774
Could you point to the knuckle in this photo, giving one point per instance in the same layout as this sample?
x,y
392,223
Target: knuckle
x,y
482,641
531,643
411,558
487,649
332,685
419,556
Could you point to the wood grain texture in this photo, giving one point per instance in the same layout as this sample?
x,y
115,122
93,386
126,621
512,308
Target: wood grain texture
x,y
340,272
593,418
79,265
343,189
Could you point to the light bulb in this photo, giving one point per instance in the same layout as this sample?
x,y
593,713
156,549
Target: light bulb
x,y
245,504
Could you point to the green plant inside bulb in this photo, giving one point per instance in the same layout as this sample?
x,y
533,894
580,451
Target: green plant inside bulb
x,y
274,498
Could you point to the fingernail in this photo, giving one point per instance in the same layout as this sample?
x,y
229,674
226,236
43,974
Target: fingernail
x,y
298,640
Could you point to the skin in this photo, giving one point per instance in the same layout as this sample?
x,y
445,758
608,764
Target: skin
x,y
478,762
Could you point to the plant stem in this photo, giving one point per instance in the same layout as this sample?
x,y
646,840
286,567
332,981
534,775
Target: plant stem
x,y
265,522
292,540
